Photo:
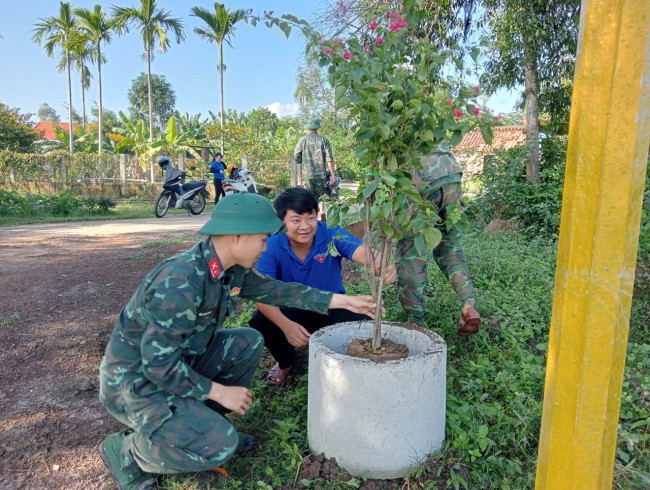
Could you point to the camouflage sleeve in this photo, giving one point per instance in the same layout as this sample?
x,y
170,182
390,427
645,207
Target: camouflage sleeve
x,y
328,150
172,315
288,294
297,153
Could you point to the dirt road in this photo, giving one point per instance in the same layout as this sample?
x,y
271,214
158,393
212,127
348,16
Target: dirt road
x,y
61,289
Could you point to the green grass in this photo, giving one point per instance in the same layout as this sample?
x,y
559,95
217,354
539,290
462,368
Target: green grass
x,y
494,389
123,210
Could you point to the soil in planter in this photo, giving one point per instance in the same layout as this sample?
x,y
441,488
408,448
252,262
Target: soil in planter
x,y
388,351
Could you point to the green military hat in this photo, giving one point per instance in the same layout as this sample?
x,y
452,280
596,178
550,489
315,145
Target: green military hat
x,y
242,214
312,123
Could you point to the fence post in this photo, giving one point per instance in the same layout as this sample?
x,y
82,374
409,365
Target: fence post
x,y
244,161
12,175
151,169
122,162
64,173
294,172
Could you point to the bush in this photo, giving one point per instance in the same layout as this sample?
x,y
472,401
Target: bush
x,y
100,205
507,194
65,204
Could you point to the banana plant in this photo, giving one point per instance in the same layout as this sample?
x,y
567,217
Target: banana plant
x,y
135,138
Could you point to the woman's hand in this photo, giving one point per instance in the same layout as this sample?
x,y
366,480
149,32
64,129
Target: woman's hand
x,y
235,398
296,334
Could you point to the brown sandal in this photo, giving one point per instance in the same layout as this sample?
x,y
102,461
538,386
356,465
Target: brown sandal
x,y
278,376
470,322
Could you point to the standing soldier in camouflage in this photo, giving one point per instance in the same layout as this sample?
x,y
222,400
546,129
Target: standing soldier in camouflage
x,y
439,182
171,372
313,152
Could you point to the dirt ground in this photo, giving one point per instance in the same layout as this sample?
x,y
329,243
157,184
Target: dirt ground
x,y
61,289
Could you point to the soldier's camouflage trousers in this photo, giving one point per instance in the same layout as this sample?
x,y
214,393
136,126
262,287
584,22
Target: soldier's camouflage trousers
x,y
449,255
316,185
196,437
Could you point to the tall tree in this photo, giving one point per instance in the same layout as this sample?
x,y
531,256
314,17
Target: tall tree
x,y
532,43
163,96
16,132
219,27
47,113
99,28
79,55
154,25
59,33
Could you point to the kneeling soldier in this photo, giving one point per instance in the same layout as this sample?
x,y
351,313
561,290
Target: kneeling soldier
x,y
171,372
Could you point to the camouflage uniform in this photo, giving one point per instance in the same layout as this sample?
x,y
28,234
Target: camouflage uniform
x,y
313,152
440,184
167,348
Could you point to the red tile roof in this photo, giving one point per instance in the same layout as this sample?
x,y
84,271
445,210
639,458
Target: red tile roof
x,y
505,137
46,129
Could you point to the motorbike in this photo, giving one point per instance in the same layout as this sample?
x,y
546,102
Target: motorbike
x,y
192,197
243,183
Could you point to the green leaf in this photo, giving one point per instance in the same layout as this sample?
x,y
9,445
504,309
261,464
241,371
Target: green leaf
x,y
416,104
397,105
365,135
427,135
432,237
342,102
487,133
370,188
388,179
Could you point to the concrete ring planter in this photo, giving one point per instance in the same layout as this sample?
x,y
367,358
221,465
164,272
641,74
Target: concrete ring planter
x,y
379,420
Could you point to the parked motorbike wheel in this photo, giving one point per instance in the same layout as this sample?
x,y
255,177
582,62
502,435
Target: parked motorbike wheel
x,y
196,205
162,205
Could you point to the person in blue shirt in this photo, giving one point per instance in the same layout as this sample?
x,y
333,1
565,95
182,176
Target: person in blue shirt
x,y
303,255
218,168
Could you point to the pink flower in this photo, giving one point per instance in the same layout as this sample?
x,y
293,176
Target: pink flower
x,y
383,86
457,114
373,25
327,51
449,101
498,118
398,24
343,7
379,41
337,42
475,111
475,90
347,55
366,49
393,15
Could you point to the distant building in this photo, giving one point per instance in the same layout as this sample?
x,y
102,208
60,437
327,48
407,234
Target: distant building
x,y
46,128
472,150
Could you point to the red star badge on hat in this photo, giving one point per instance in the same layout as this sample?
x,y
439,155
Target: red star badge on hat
x,y
215,268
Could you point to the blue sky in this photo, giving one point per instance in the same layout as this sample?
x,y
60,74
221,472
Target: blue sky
x,y
261,66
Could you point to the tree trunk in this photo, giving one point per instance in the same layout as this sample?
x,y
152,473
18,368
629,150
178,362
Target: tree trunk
x,y
531,121
70,136
83,107
221,85
100,129
151,169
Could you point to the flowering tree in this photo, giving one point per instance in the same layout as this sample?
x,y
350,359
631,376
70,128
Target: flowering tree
x,y
386,81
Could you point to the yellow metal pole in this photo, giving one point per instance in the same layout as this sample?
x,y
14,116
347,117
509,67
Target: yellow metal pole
x,y
609,135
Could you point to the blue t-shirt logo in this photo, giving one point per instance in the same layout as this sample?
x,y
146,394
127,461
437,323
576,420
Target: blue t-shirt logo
x,y
320,257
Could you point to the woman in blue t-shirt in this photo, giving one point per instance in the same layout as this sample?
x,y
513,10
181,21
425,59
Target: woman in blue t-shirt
x,y
218,168
302,255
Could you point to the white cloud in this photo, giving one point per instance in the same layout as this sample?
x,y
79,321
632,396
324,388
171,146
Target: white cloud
x,y
282,110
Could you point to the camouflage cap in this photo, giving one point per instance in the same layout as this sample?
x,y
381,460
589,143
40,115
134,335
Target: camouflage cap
x,y
242,214
312,123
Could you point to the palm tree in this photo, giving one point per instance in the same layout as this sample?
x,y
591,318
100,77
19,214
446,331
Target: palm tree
x,y
219,27
98,27
154,24
78,56
59,32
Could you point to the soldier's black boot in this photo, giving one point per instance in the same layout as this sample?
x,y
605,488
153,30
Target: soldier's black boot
x,y
125,470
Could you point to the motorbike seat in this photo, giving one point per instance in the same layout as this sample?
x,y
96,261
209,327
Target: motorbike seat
x,y
193,184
